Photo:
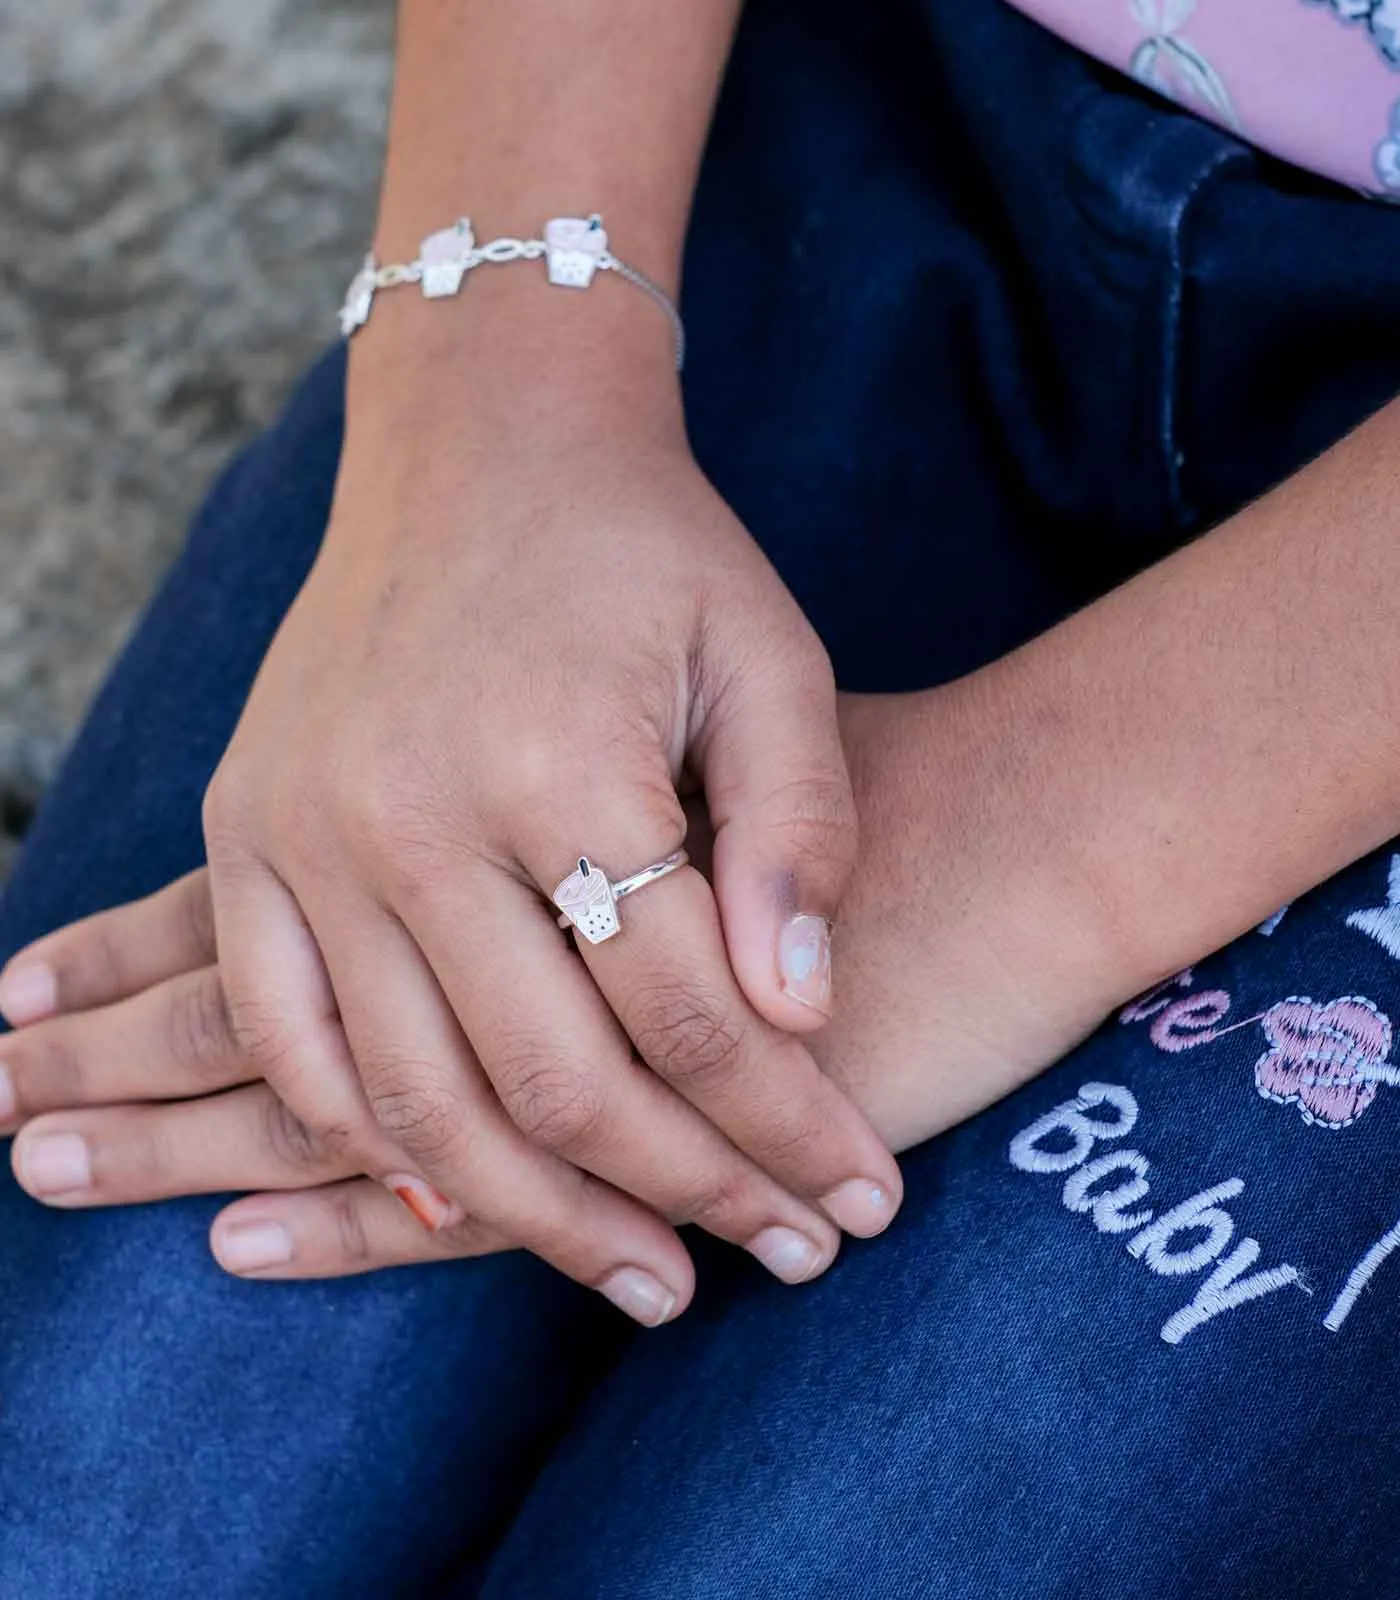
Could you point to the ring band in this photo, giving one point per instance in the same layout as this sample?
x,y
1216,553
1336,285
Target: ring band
x,y
587,901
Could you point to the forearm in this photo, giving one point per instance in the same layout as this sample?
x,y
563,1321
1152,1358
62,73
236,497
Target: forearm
x,y
513,111
523,109
1222,732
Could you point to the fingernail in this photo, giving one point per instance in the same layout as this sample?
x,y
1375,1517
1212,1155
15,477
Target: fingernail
x,y
787,1254
645,1299
804,961
433,1209
28,994
57,1163
7,1095
251,1246
860,1207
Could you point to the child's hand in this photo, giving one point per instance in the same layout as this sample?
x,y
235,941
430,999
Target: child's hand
x,y
488,674
972,963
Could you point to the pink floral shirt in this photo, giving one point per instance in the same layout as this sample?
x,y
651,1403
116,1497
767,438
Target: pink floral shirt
x,y
1314,81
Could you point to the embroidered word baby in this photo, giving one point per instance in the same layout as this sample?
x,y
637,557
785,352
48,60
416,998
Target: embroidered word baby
x,y
1109,1189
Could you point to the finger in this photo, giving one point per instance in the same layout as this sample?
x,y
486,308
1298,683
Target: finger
x,y
784,817
333,1231
667,978
124,1155
426,1089
111,955
286,1022
565,1073
166,1043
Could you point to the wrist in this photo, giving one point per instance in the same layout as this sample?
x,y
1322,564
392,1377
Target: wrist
x,y
516,364
993,773
1118,779
971,953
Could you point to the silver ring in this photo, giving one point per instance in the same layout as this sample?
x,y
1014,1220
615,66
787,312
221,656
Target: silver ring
x,y
587,901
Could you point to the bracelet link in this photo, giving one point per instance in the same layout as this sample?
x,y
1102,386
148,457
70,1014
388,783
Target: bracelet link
x,y
574,248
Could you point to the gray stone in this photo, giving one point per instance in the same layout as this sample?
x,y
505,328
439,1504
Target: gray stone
x,y
185,185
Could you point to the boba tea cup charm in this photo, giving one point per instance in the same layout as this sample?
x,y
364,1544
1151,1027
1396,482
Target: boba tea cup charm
x,y
574,248
445,257
586,898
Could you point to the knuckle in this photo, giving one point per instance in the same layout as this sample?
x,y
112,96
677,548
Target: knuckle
x,y
214,812
722,1198
290,1140
48,1069
817,823
688,1036
554,1104
403,846
560,1235
463,1237
370,812
530,780
100,965
140,1156
525,803
346,1144
411,869
261,1031
813,664
198,907
519,791
225,806
298,821
794,1138
199,1035
390,808
413,1108
468,1236
348,1227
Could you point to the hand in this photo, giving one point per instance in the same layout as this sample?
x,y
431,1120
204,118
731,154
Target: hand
x,y
378,839
973,962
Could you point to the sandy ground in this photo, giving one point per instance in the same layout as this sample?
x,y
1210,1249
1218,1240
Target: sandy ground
x,y
185,185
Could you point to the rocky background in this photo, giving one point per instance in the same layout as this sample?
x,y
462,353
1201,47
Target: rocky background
x,y
184,187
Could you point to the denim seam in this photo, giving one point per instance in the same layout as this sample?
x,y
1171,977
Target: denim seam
x,y
1184,516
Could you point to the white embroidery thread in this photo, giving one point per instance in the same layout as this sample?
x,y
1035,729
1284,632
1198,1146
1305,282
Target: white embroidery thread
x,y
1381,19
1225,1288
1382,923
1200,1211
1106,1207
1229,1284
1359,1277
1069,1118
1170,64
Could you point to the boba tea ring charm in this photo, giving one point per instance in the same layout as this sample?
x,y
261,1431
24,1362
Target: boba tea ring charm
x,y
587,900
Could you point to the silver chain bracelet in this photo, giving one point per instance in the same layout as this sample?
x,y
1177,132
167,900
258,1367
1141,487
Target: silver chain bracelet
x,y
573,248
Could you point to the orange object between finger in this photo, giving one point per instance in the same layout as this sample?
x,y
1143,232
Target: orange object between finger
x,y
431,1207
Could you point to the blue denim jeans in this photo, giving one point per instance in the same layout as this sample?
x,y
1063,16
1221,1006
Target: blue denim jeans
x,y
976,331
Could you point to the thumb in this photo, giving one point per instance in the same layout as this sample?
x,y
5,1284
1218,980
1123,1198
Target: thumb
x,y
784,817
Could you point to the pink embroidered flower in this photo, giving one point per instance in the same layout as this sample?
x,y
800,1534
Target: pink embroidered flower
x,y
1328,1060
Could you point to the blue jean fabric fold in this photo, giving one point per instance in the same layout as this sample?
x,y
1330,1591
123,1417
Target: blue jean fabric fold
x,y
977,330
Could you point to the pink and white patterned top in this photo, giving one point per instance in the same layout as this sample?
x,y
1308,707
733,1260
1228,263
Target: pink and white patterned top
x,y
1314,81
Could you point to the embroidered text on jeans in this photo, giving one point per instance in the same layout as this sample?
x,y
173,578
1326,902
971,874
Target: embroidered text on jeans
x,y
1186,1238
1329,1060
